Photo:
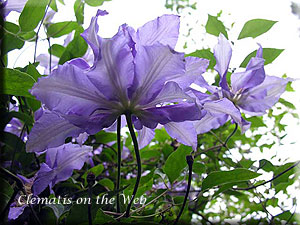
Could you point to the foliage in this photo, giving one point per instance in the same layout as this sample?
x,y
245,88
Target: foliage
x,y
225,178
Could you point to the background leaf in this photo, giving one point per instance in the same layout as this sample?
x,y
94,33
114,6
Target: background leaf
x,y
256,27
215,26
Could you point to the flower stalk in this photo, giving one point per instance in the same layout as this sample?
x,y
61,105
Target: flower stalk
x,y
138,159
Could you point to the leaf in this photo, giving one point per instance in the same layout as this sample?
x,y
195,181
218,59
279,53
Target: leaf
x,y
223,177
176,162
53,5
11,40
256,122
284,178
215,26
32,14
96,170
22,116
105,137
287,104
32,71
61,28
95,2
79,11
266,165
199,168
12,140
255,27
269,54
107,183
206,54
102,218
76,48
16,83
56,50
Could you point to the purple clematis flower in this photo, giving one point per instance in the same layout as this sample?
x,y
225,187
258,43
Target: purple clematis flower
x,y
59,166
251,91
134,73
12,5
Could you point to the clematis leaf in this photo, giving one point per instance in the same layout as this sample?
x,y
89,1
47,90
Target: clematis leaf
x,y
269,54
79,11
32,14
61,28
215,26
255,27
10,39
176,162
16,83
95,2
56,50
224,177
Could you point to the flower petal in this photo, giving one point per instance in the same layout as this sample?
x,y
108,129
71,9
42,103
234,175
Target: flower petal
x,y
184,132
209,122
251,101
91,37
222,53
64,159
15,212
154,66
194,67
253,76
113,74
171,92
50,130
171,113
68,90
14,5
145,135
164,29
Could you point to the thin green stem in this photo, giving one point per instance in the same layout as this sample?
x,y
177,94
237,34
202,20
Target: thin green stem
x,y
138,159
190,161
119,162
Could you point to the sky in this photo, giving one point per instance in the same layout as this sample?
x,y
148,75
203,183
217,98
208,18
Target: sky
x,y
285,34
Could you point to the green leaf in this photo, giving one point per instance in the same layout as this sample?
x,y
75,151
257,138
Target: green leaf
x,y
215,26
105,137
32,71
223,177
12,140
286,103
11,40
266,165
255,27
57,50
79,11
284,178
96,170
22,116
107,183
95,2
76,48
206,54
16,83
176,162
269,54
199,168
6,193
53,5
102,218
32,14
61,28
256,122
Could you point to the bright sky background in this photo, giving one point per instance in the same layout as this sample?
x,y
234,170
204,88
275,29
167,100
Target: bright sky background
x,y
284,35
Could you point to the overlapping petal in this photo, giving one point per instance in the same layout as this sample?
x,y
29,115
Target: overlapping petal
x,y
145,135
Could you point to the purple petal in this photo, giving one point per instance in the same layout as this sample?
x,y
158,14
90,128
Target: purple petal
x,y
50,130
114,73
194,67
91,37
209,122
63,160
171,92
170,113
14,5
145,135
222,53
82,138
253,76
15,212
68,90
252,100
184,132
154,66
164,29
80,63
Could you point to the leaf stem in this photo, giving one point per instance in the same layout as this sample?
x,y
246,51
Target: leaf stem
x,y
190,161
138,159
119,162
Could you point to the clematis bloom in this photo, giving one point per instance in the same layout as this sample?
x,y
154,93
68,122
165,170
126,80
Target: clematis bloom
x,y
136,73
251,91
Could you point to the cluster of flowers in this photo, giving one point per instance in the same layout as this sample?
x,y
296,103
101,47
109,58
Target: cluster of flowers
x,y
139,73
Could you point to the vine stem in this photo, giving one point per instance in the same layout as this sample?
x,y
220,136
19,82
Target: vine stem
x,y
119,162
38,30
90,179
138,159
190,161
